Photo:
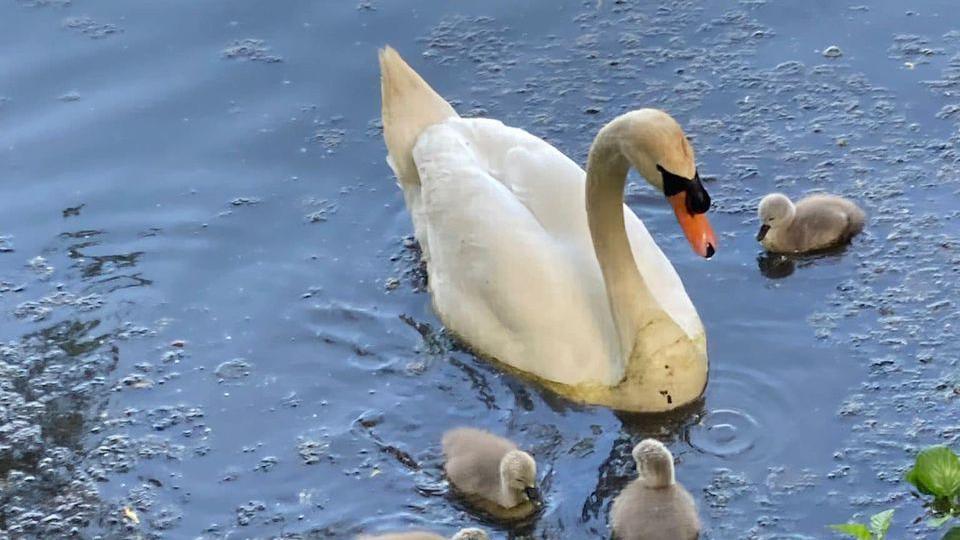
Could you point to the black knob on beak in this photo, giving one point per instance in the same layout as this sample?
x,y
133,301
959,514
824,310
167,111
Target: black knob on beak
x,y
696,196
698,200
533,493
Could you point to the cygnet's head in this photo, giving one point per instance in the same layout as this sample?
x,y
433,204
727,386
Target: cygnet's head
x,y
654,463
470,534
776,210
518,473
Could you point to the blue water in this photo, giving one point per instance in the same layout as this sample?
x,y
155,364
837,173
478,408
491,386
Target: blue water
x,y
207,282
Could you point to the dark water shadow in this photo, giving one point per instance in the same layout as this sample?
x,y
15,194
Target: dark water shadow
x,y
781,265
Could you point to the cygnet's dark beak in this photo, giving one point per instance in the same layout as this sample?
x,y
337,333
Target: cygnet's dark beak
x,y
533,493
762,233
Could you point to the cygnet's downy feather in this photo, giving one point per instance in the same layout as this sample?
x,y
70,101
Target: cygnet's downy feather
x,y
491,472
814,223
654,506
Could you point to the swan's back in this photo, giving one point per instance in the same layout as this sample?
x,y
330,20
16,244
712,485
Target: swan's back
x,y
665,513
512,268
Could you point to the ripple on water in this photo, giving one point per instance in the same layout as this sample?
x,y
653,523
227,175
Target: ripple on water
x,y
744,412
725,432
233,370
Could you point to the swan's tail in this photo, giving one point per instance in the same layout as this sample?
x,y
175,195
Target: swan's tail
x,y
409,107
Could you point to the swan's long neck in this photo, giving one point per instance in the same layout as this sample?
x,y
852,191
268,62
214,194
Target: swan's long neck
x,y
628,294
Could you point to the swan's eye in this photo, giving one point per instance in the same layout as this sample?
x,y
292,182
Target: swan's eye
x,y
673,183
697,199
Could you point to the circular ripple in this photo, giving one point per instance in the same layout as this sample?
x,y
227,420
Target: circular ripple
x,y
745,415
725,432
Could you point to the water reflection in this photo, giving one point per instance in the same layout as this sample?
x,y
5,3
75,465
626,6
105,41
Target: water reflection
x,y
780,265
775,265
53,386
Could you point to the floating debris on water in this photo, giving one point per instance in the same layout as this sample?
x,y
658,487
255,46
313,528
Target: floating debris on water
x,y
39,265
73,211
72,95
233,370
131,515
38,310
329,138
89,27
832,52
249,511
312,451
244,201
266,464
45,3
254,50
324,209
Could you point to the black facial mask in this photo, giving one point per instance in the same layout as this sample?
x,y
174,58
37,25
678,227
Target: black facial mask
x,y
697,200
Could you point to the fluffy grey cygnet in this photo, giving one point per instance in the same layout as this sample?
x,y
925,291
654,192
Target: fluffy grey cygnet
x,y
463,534
815,222
654,506
491,472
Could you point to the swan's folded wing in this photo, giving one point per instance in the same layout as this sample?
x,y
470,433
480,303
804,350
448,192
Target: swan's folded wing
x,y
551,186
500,277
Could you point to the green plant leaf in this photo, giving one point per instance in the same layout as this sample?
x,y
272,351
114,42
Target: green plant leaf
x,y
938,522
938,469
911,476
952,534
880,523
856,530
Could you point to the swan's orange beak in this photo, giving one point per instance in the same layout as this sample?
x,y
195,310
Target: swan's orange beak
x,y
695,226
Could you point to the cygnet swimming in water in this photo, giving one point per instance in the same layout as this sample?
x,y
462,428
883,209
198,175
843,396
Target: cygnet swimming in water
x,y
491,472
463,534
816,222
654,506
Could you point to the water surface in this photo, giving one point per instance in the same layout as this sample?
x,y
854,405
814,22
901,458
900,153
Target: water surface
x,y
214,315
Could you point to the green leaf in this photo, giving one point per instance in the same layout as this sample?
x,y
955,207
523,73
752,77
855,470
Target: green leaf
x,y
880,523
938,522
952,534
856,530
911,476
938,469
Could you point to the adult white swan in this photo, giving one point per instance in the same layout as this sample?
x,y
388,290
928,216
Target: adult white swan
x,y
540,266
